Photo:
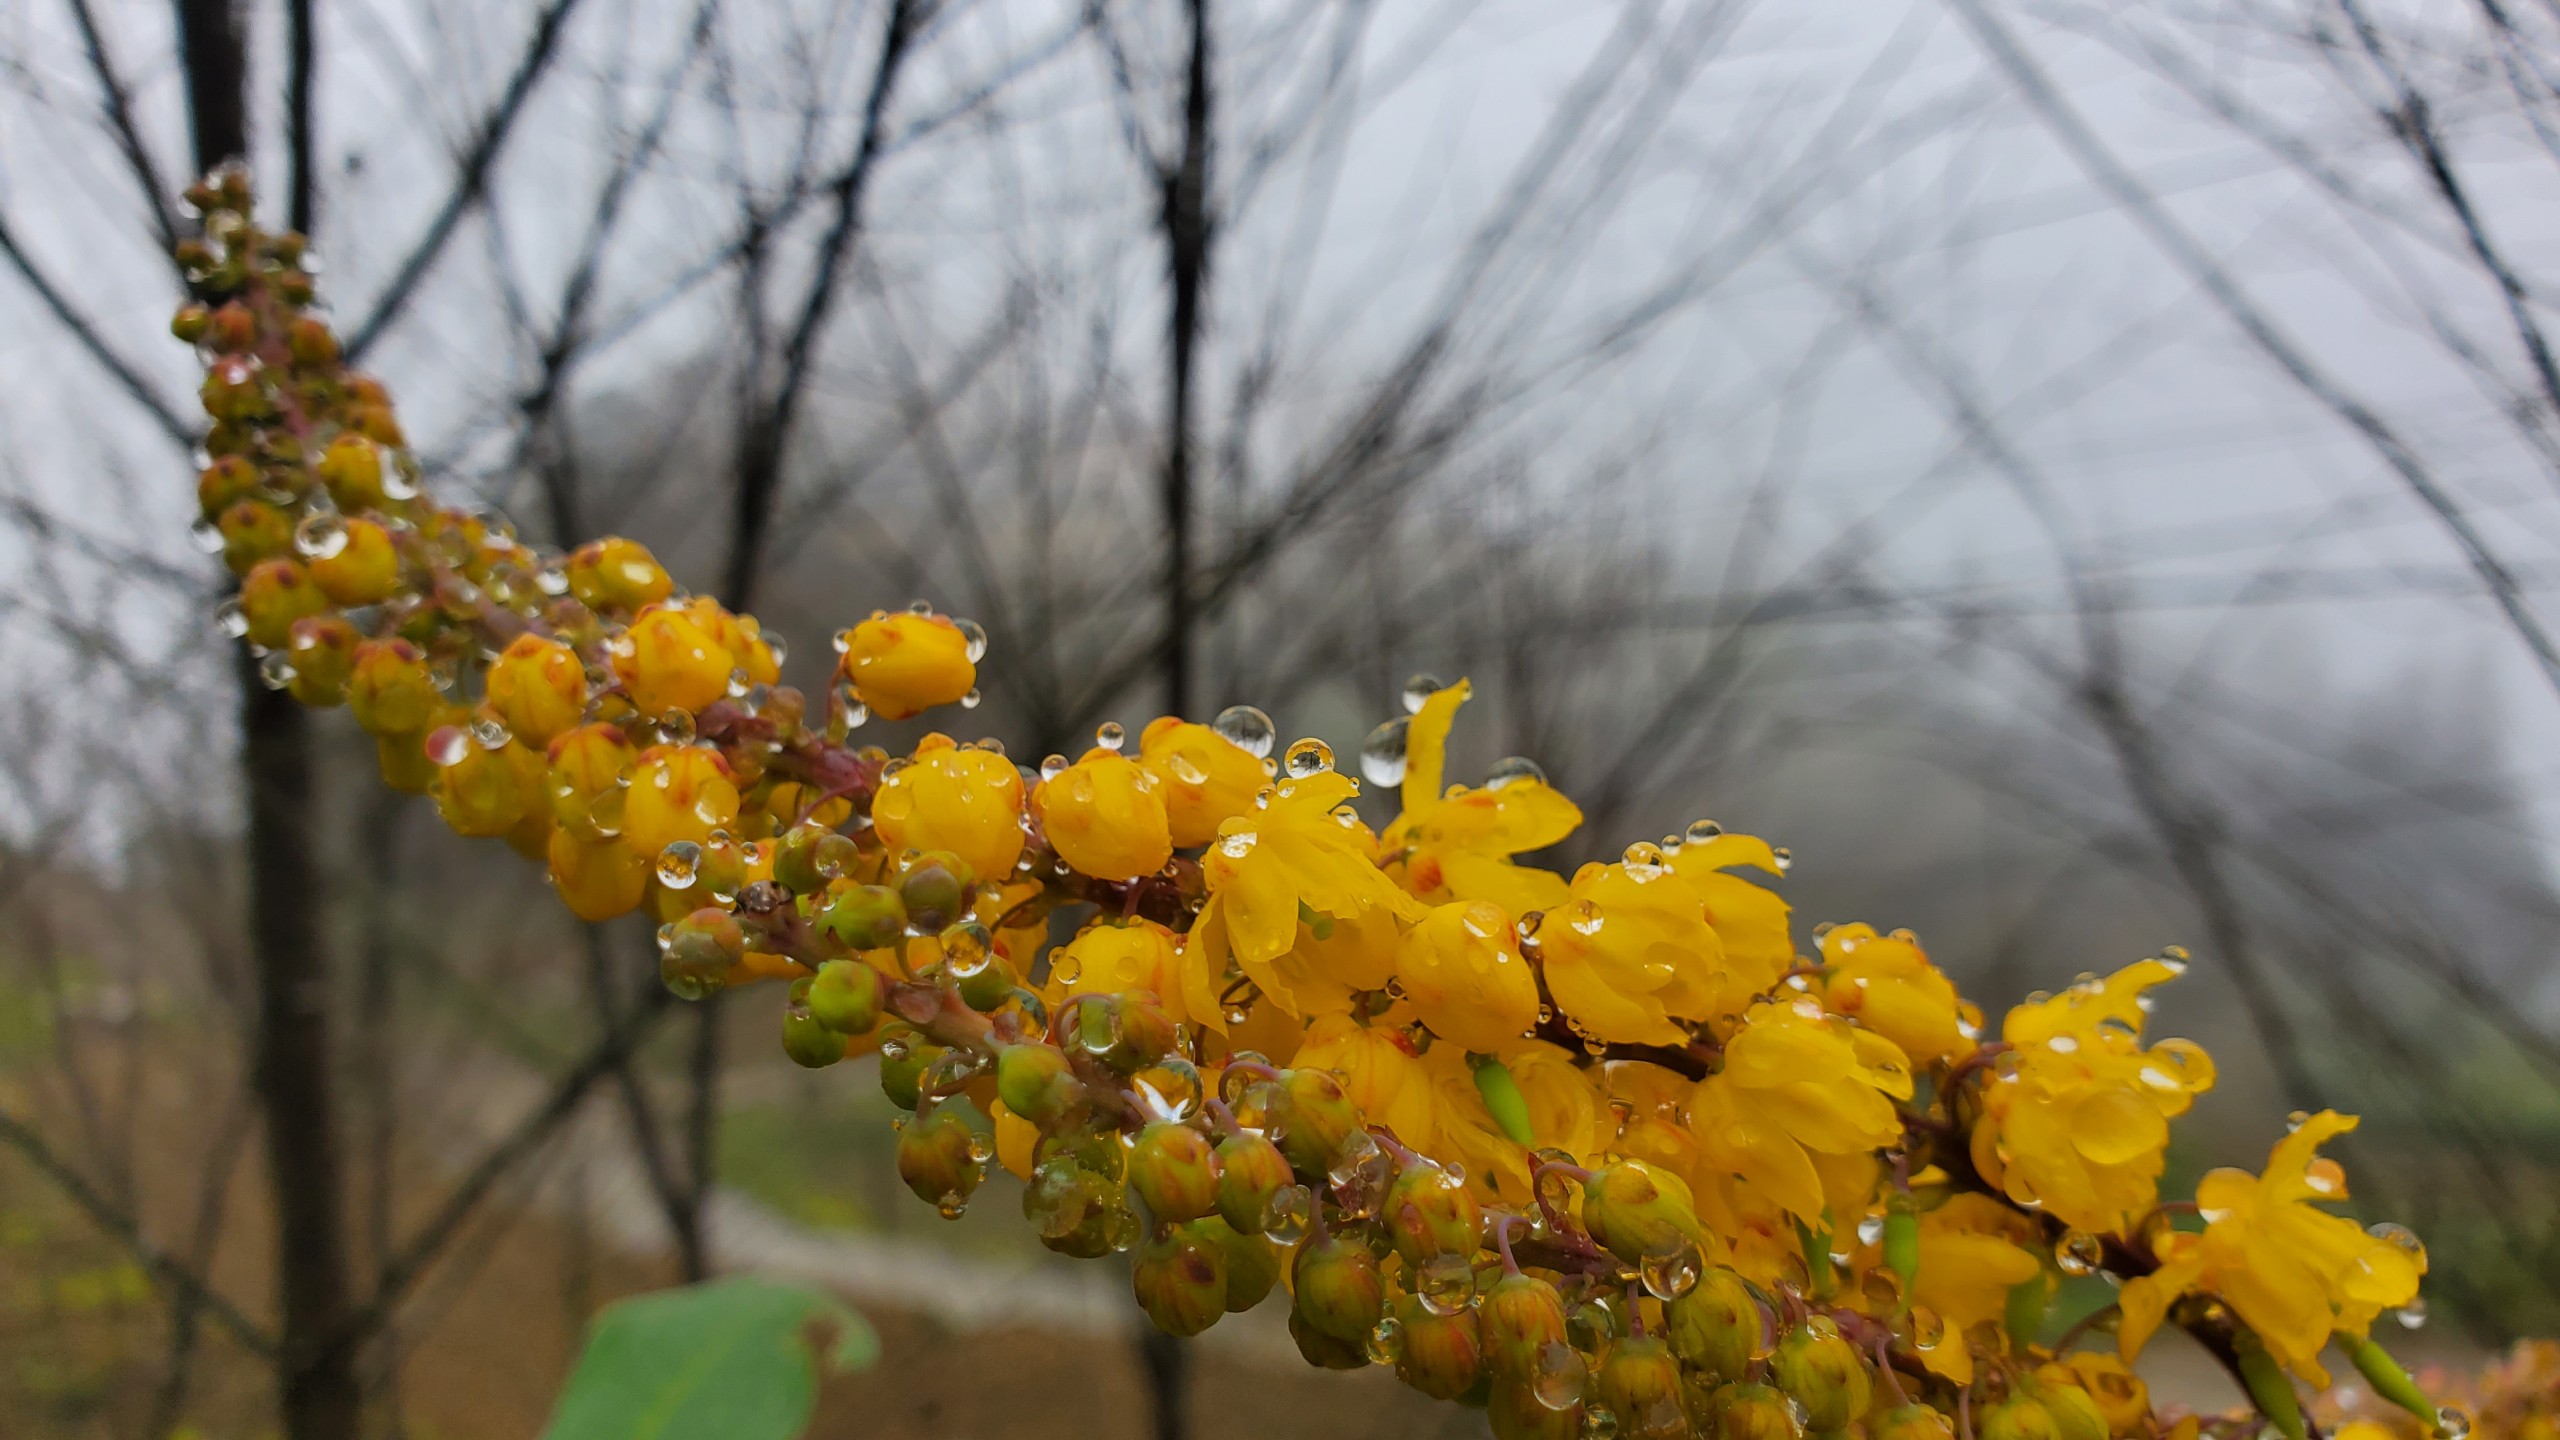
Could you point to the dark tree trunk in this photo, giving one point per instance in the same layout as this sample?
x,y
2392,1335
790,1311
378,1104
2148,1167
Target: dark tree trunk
x,y
319,1396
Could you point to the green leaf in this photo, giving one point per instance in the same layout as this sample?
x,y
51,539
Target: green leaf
x,y
733,1359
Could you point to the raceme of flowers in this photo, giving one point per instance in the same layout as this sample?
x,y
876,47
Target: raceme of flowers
x,y
1600,1153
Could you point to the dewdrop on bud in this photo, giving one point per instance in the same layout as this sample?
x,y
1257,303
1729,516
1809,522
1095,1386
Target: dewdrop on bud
x,y
1670,1274
678,864
1559,1377
1306,759
1360,1173
1288,1215
2079,1253
1445,1283
1246,728
1382,755
1109,736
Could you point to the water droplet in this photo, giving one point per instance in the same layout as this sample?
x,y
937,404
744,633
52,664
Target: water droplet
x,y
448,744
2079,1253
1418,689
1286,1216
676,727
1361,1172
206,537
1386,1340
1511,770
320,536
678,864
843,642
275,669
1882,1290
1599,1423
233,620
1188,771
1110,736
1670,1274
2396,1234
1445,1283
967,949
919,607
1786,858
972,700
974,637
1559,1376
1702,831
952,1205
1871,1230
1246,728
2453,1423
1382,755
2412,1316
490,731
1307,758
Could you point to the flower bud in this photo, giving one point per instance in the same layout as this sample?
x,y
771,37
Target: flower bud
x,y
668,662
1326,1352
252,531
1175,1171
1144,1033
844,996
1250,1171
1717,1325
1077,1211
352,469
1825,1373
226,482
904,1054
965,801
808,1043
1911,1422
1442,1355
589,778
323,651
1035,1082
1636,1210
1430,1212
695,957
1516,1411
906,664
363,570
796,857
934,889
1205,778
984,978
192,323
390,691
1338,1288
308,338
403,760
678,792
538,688
597,878
1748,1411
1181,1278
2076,1415
1253,1264
1316,1117
615,575
2020,1417
484,791
867,917
1522,1315
273,595
1105,816
1639,1382
942,1157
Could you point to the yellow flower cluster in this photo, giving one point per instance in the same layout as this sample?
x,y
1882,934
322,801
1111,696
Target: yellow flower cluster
x,y
1602,1153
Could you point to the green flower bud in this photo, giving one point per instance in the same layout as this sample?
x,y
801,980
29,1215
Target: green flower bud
x,y
1253,1264
698,951
1748,1411
1640,1384
1431,1212
1326,1352
807,1042
1145,1035
2270,1389
1035,1082
1250,1171
988,987
1339,1290
2020,1417
904,1054
844,996
1902,1240
1911,1422
1825,1373
2386,1377
864,917
1521,1316
1316,1118
1443,1355
1076,1211
1717,1325
942,1156
1503,1100
1175,1171
1635,1210
1181,1279
2075,1415
935,889
795,858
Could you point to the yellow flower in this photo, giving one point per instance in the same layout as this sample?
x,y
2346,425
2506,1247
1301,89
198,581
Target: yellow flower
x,y
1378,1072
1797,1083
2293,1272
678,792
1304,850
2077,1119
537,688
1459,845
1973,1252
1112,958
668,662
953,797
1326,961
597,878
1207,779
1627,952
610,574
905,664
1461,971
1888,985
1750,920
1105,815
1565,1113
2121,1397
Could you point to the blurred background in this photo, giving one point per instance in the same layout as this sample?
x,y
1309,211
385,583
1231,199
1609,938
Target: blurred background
x,y
2082,474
